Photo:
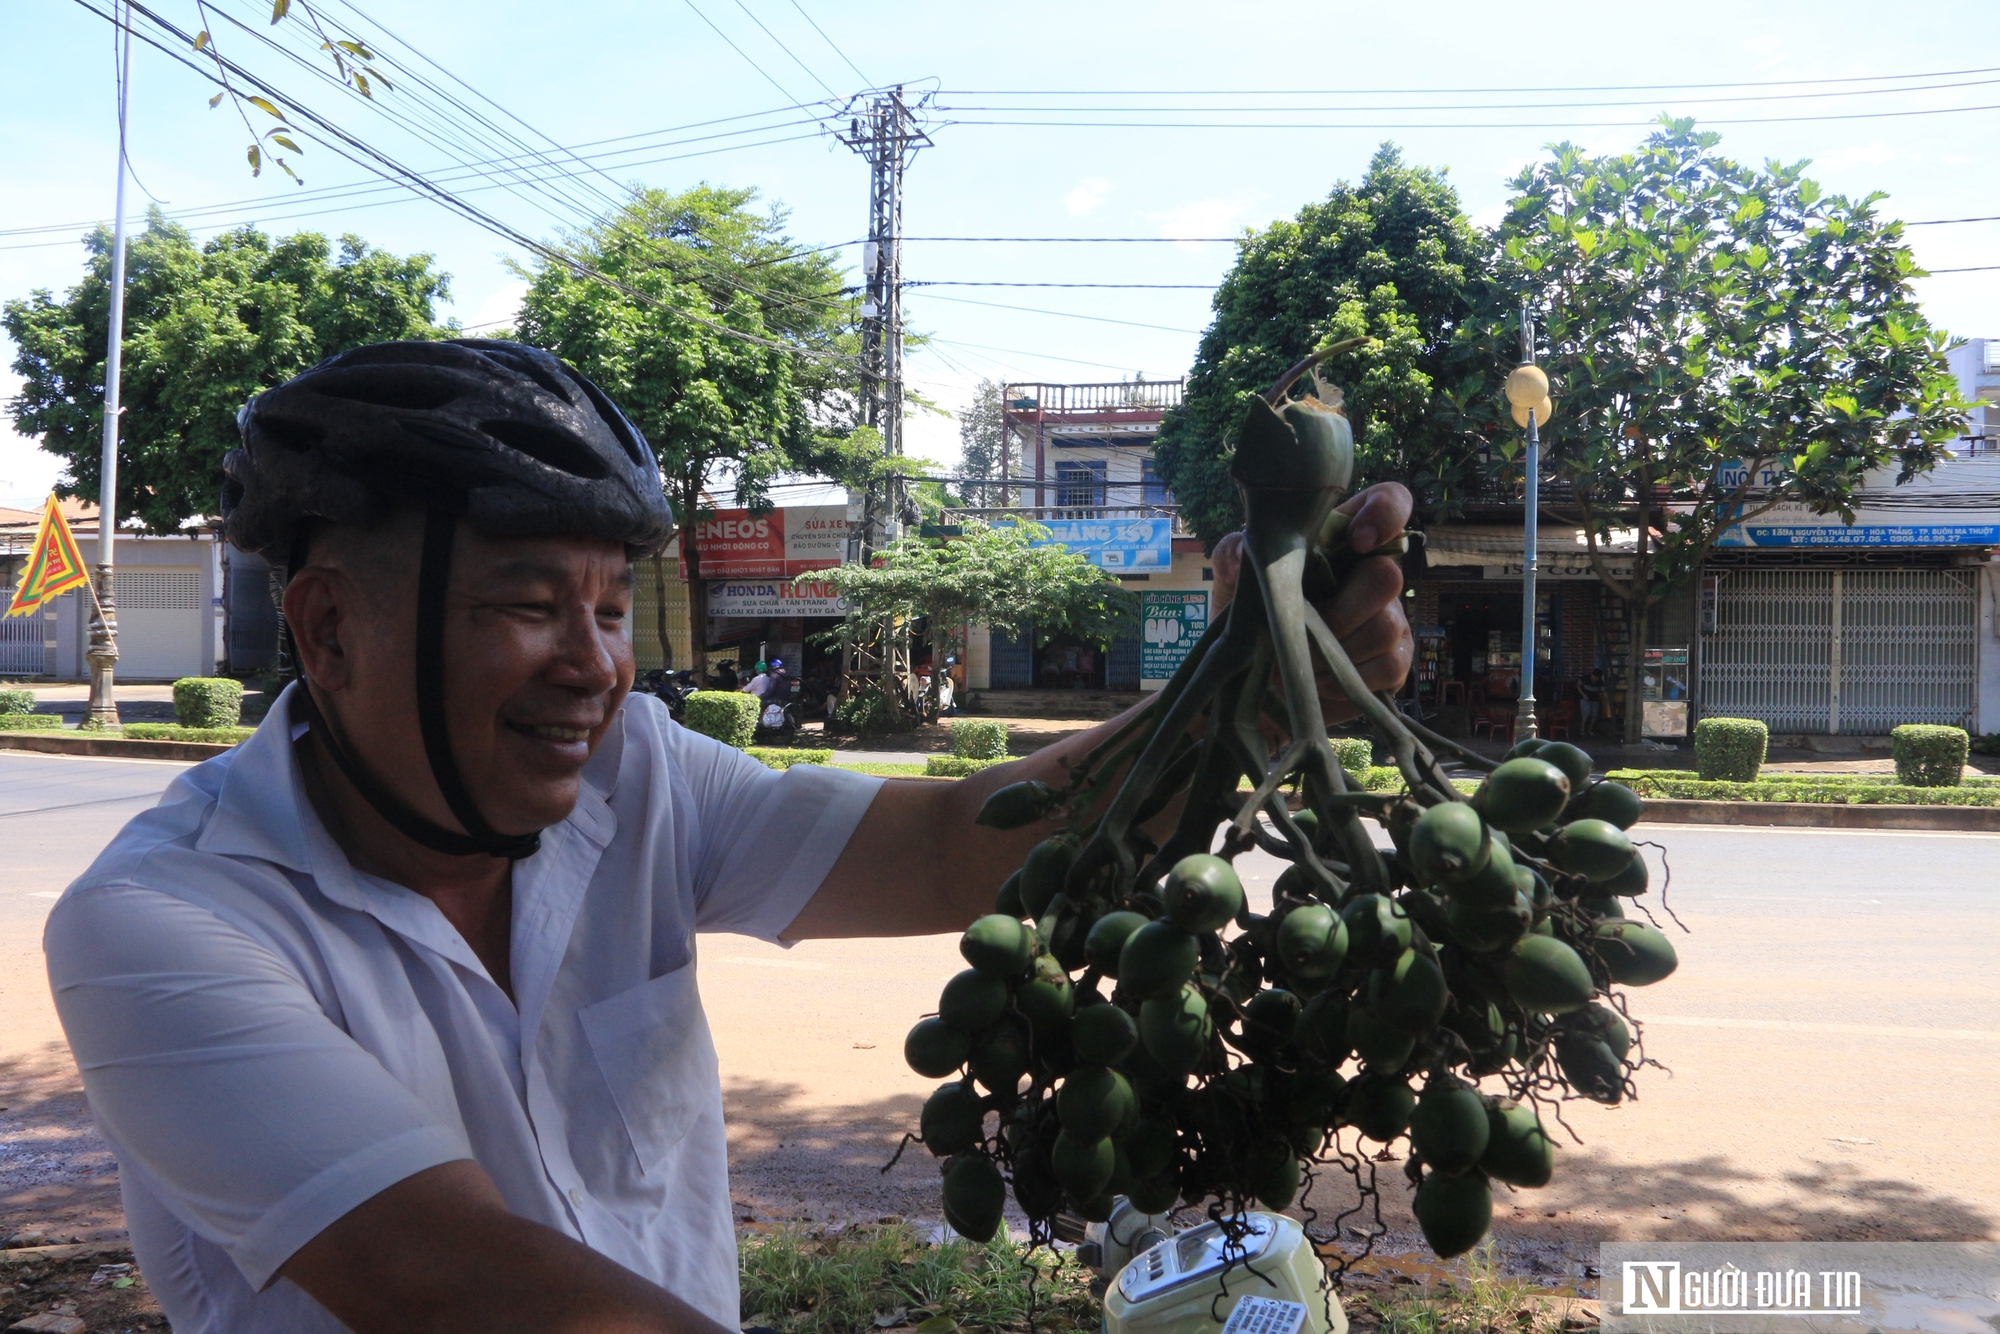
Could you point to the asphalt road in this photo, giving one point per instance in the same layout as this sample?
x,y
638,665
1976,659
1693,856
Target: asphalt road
x,y
1831,1040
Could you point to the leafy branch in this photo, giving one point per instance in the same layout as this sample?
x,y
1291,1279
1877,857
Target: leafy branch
x,y
353,62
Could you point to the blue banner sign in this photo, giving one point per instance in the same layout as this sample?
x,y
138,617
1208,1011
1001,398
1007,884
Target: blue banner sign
x,y
1142,545
1838,534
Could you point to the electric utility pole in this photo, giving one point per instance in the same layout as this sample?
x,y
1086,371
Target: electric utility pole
x,y
103,650
885,130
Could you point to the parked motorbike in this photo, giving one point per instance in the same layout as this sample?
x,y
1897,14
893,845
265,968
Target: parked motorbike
x,y
669,687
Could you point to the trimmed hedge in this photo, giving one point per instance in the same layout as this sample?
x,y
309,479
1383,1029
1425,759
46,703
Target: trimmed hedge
x,y
16,701
979,739
1928,755
30,722
1355,753
208,701
175,732
959,766
784,757
730,716
1820,794
1730,750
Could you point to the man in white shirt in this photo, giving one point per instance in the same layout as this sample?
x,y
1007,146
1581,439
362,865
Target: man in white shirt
x,y
390,1013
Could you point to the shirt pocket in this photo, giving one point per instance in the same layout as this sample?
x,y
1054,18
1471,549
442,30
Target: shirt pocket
x,y
653,1048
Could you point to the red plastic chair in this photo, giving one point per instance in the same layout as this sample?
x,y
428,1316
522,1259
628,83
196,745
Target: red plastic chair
x,y
1561,720
1445,691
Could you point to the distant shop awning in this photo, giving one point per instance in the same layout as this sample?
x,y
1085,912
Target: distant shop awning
x,y
1500,549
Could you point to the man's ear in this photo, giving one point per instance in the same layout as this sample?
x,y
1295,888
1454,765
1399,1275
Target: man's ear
x,y
319,605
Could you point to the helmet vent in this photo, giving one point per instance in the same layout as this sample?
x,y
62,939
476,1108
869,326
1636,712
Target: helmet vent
x,y
406,391
548,447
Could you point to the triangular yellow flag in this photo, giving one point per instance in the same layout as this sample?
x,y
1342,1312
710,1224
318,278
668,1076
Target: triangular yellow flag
x,y
55,566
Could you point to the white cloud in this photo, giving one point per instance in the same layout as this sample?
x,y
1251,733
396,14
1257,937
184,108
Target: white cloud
x,y
27,473
1874,153
500,307
1088,195
1202,217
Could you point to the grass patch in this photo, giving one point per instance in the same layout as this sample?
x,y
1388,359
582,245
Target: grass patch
x,y
852,1281
30,722
1487,1300
784,757
882,768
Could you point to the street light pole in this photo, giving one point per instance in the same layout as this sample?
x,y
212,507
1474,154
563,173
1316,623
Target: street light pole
x,y
1526,725
103,651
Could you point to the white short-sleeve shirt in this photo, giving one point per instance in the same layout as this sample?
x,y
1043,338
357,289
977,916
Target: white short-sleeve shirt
x,y
270,1037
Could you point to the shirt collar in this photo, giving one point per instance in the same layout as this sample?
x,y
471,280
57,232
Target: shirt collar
x,y
262,810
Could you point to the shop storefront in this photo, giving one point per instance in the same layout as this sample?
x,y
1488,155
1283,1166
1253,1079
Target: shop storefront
x,y
749,561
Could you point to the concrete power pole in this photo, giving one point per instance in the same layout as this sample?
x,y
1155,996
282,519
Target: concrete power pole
x,y
103,651
885,130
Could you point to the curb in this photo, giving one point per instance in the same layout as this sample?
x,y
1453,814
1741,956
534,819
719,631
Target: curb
x,y
1821,815
47,743
73,1251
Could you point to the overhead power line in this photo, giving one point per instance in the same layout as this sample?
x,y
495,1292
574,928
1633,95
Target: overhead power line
x,y
810,72
865,80
1065,314
346,145
1190,287
1572,88
1508,106
1451,125
737,49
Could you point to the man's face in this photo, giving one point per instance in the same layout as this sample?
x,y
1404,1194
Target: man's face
x,y
537,660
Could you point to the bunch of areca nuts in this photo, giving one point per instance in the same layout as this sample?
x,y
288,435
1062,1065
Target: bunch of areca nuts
x,y
1174,1045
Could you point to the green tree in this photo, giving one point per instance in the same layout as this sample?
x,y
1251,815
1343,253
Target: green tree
x,y
727,344
1392,258
1720,340
979,442
994,574
206,327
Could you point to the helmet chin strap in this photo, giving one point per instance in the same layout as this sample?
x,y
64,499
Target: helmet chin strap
x,y
433,578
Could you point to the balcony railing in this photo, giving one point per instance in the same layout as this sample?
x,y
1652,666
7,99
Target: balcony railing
x,y
1113,396
1066,513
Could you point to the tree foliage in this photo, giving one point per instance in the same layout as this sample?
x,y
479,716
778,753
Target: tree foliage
x,y
1719,339
994,575
1392,258
719,410
979,442
206,327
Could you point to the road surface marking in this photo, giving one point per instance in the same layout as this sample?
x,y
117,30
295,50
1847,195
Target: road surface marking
x,y
45,893
1791,1026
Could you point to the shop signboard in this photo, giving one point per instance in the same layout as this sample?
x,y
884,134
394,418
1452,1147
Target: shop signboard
x,y
779,543
754,599
1931,511
1172,622
1139,544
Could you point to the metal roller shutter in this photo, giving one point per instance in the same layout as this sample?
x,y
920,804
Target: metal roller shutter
x,y
1847,651
162,618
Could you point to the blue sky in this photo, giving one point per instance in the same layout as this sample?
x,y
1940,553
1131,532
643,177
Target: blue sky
x,y
1427,76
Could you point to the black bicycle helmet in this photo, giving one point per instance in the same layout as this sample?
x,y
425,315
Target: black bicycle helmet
x,y
507,437
510,437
